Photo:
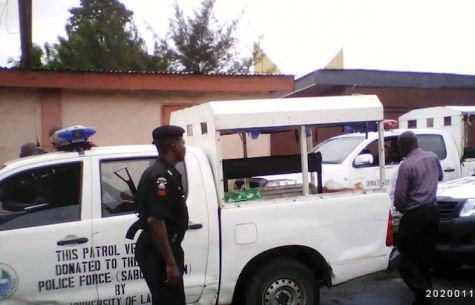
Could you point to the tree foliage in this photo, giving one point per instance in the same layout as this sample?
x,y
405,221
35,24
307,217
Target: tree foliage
x,y
100,35
199,44
36,56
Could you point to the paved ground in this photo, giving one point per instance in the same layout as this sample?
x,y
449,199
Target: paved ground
x,y
387,288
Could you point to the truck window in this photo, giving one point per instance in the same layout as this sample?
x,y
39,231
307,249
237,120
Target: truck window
x,y
469,132
41,196
116,196
335,151
391,151
433,143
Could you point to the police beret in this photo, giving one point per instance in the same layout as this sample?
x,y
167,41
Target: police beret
x,y
166,131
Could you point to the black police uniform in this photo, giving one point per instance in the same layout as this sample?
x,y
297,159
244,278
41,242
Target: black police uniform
x,y
160,195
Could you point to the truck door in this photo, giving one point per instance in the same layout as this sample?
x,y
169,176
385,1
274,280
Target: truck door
x,y
449,159
45,223
114,213
368,174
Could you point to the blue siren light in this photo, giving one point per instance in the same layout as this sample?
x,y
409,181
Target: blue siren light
x,y
73,135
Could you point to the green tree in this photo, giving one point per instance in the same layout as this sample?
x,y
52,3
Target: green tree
x,y
200,44
36,56
101,36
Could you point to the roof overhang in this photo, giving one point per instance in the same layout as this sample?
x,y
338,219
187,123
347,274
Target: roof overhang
x,y
334,81
44,79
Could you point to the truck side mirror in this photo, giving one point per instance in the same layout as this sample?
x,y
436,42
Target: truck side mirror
x,y
364,160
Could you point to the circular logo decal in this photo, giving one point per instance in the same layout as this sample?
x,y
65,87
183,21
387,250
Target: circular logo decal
x,y
8,281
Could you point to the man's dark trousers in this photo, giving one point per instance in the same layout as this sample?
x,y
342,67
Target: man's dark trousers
x,y
153,268
416,240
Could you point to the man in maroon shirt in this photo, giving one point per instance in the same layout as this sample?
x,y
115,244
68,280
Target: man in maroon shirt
x,y
415,197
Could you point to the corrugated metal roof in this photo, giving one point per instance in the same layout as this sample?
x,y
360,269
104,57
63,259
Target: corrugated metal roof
x,y
381,78
109,80
141,72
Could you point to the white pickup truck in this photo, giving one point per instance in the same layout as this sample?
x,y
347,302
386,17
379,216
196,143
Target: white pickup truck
x,y
64,215
353,158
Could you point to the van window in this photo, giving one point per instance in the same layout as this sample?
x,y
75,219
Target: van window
x,y
433,143
430,122
447,121
116,196
189,130
204,128
41,196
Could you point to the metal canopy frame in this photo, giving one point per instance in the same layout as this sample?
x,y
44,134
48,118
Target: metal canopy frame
x,y
273,115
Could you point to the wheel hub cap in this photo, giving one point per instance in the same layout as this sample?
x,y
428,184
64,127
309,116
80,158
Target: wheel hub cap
x,y
283,292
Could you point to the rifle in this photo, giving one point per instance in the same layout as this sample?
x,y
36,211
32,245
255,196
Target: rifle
x,y
137,225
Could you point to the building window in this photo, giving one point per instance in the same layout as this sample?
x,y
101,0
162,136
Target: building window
x,y
412,124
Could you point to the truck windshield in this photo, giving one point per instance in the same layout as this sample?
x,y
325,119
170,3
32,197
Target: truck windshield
x,y
335,150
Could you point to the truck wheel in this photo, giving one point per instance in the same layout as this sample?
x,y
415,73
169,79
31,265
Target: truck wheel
x,y
282,282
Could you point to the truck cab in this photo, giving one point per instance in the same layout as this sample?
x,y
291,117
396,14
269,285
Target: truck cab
x,y
64,216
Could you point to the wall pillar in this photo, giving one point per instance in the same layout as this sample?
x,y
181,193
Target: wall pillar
x,y
167,111
51,113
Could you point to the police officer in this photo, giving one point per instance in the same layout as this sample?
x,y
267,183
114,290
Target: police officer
x,y
30,149
164,215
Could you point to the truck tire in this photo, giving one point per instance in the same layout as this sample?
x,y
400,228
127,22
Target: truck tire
x,y
282,281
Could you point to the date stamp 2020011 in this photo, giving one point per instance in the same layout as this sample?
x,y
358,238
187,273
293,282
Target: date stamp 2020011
x,y
450,293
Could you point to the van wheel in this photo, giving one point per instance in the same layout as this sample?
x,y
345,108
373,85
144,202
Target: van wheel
x,y
282,282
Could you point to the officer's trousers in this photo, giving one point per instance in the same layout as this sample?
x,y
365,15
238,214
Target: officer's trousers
x,y
153,268
416,241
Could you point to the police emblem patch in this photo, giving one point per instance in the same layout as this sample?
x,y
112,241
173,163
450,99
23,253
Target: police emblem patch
x,y
8,281
161,186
